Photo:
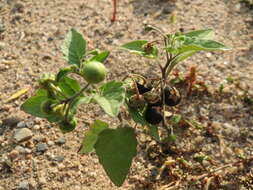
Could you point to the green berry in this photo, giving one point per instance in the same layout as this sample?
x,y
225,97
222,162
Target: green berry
x,y
67,126
94,72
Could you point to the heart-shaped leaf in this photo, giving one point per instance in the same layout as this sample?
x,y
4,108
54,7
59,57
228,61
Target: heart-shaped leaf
x,y
115,149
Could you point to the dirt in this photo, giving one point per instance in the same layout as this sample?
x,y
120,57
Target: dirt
x,y
220,123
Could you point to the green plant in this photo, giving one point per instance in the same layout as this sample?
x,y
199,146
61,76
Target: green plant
x,y
146,100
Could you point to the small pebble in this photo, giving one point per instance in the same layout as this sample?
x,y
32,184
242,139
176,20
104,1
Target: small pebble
x,y
42,180
36,127
20,149
24,185
1,139
58,158
22,134
21,124
30,124
60,141
61,166
13,154
50,143
41,147
11,121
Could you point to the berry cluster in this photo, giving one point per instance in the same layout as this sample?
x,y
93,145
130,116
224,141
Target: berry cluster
x,y
146,96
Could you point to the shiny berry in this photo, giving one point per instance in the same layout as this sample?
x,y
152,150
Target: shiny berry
x,y
172,96
153,115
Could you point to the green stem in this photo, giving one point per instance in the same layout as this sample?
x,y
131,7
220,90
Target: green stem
x,y
70,100
76,95
172,64
57,90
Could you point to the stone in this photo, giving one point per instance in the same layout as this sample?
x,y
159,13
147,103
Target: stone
x,y
30,124
21,124
50,143
36,127
41,147
22,134
20,149
13,154
58,158
60,141
23,185
11,121
42,180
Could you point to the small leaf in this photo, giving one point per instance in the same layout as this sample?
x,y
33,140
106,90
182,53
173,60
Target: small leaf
x,y
201,44
101,57
137,116
115,149
17,94
175,119
206,34
91,136
153,131
184,56
111,97
74,47
41,92
139,47
64,72
171,138
69,86
33,106
173,18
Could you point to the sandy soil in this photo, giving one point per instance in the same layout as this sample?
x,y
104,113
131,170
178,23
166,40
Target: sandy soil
x,y
31,34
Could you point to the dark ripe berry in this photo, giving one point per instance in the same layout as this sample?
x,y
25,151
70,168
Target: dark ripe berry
x,y
136,101
142,89
172,96
152,115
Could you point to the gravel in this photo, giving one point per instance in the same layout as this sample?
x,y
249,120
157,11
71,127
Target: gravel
x,y
22,134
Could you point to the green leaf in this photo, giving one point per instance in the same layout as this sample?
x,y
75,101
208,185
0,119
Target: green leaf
x,y
64,72
111,97
192,44
153,131
115,149
171,138
33,106
101,57
74,47
41,92
207,34
91,136
184,56
175,119
78,101
69,86
138,118
139,47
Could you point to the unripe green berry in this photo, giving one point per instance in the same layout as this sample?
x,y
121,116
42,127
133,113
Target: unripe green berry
x,y
94,72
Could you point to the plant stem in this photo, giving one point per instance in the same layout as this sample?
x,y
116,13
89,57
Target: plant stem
x,y
76,95
71,99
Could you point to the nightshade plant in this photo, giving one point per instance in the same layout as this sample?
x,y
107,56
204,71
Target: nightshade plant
x,y
146,100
